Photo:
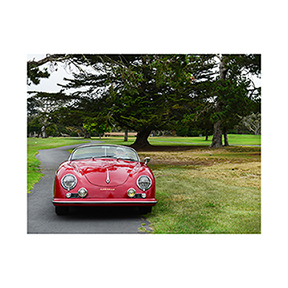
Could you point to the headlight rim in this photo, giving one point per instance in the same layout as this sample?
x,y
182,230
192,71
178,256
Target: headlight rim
x,y
63,184
150,184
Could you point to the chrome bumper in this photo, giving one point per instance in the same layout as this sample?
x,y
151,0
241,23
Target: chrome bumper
x,y
104,202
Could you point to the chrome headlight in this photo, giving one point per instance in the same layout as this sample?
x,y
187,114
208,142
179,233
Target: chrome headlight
x,y
68,182
144,182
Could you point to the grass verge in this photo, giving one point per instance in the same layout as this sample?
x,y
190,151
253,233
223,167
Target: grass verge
x,y
33,146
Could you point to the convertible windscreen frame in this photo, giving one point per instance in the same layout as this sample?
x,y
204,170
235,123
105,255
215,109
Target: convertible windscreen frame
x,y
104,151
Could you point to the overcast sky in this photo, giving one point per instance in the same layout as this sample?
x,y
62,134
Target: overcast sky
x,y
49,84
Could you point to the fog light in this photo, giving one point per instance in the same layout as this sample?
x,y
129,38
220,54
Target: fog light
x,y
131,192
68,195
82,192
143,195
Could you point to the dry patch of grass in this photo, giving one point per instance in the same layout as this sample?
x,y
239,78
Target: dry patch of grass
x,y
240,174
204,156
207,191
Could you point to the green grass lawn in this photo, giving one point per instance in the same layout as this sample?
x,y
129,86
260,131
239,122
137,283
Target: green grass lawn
x,y
234,139
33,146
199,190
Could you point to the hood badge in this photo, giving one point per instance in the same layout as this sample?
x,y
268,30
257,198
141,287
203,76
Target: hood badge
x,y
107,179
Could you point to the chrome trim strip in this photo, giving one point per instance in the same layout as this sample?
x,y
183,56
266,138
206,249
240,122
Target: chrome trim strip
x,y
104,202
108,179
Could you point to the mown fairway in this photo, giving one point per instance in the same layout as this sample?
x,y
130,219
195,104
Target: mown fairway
x,y
199,190
233,139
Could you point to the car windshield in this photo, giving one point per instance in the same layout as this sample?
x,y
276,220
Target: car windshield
x,y
105,151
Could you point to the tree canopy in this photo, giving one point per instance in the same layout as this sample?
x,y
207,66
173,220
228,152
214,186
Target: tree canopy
x,y
234,92
155,92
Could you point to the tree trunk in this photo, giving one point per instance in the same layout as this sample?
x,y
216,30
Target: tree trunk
x,y
225,138
142,138
86,133
206,135
43,132
217,136
126,135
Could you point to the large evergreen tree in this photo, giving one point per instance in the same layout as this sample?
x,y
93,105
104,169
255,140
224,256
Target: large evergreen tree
x,y
141,92
234,92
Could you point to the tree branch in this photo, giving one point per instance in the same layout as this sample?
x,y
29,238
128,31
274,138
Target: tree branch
x,y
53,57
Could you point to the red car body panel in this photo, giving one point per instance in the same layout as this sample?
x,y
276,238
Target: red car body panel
x,y
92,174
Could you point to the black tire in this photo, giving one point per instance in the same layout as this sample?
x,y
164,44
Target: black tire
x,y
145,210
61,210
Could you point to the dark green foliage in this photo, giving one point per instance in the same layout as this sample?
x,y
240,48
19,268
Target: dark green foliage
x,y
142,92
184,93
34,126
234,92
34,74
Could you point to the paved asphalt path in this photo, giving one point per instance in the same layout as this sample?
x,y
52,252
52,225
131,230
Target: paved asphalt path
x,y
42,218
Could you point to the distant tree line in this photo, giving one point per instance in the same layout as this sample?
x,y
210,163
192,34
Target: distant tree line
x,y
208,94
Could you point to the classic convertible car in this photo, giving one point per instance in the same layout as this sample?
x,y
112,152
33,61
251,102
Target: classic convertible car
x,y
104,175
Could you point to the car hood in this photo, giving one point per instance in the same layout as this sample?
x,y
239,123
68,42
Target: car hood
x,y
106,172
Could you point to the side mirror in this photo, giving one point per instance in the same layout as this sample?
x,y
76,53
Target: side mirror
x,y
146,160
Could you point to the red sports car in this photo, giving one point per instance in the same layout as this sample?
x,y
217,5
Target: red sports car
x,y
104,175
